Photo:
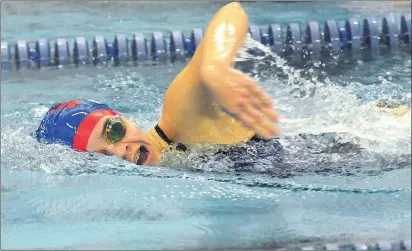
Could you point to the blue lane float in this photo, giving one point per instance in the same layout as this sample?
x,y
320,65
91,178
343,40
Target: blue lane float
x,y
255,33
371,38
390,31
158,46
43,52
21,53
177,46
5,57
379,245
312,41
61,52
195,37
333,44
276,42
294,42
81,52
121,49
139,48
343,35
99,50
352,27
406,29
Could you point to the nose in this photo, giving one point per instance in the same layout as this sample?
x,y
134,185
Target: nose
x,y
121,149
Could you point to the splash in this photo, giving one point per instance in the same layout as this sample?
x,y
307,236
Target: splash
x,y
311,102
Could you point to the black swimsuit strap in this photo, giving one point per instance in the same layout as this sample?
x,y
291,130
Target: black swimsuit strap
x,y
163,135
257,138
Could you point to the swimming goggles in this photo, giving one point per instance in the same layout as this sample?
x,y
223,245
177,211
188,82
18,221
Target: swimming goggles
x,y
114,130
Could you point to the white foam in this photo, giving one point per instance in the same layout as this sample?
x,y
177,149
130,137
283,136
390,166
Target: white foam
x,y
309,105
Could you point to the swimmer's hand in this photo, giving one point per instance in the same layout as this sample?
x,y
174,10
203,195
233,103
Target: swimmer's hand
x,y
398,109
240,96
401,110
237,93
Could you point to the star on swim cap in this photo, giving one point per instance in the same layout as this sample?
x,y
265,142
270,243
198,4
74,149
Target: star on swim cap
x,y
71,123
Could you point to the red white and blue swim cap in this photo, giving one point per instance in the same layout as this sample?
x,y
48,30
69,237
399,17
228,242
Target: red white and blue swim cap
x,y
71,123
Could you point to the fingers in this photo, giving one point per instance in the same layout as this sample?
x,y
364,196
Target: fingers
x,y
267,110
256,109
247,120
240,78
271,114
262,102
258,121
260,96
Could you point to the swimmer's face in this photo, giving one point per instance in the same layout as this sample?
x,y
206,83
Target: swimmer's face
x,y
133,145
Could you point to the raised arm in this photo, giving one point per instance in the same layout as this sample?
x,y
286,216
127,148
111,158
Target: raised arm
x,y
190,113
237,93
223,38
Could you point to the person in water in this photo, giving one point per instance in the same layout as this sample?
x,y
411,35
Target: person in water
x,y
208,102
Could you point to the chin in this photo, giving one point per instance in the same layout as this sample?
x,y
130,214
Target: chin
x,y
153,160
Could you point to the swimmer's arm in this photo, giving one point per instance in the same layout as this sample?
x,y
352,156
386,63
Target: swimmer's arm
x,y
212,66
223,38
237,93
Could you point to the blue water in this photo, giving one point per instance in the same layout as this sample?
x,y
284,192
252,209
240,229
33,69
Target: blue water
x,y
343,173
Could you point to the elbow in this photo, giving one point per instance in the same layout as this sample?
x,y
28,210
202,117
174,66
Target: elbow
x,y
234,6
236,10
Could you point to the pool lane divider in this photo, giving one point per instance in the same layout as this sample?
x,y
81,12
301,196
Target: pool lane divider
x,y
313,41
376,245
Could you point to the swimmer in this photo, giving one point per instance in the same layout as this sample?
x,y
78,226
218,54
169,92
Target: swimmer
x,y
396,108
208,102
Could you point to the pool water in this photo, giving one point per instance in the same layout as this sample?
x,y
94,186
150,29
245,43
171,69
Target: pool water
x,y
338,171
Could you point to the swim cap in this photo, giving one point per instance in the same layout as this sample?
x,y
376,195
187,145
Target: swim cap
x,y
71,123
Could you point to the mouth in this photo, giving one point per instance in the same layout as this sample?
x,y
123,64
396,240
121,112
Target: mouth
x,y
142,155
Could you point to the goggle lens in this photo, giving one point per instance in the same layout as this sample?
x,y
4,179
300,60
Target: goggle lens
x,y
115,129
